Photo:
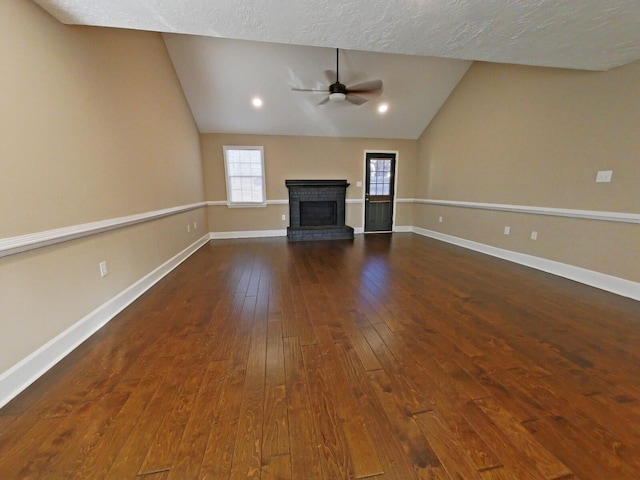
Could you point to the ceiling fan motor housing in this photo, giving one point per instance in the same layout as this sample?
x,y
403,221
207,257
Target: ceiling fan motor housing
x,y
337,88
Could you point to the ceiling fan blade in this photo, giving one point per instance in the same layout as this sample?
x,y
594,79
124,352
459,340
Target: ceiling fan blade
x,y
326,100
355,99
366,87
331,76
324,90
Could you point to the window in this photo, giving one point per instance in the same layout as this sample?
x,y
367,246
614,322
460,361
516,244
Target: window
x,y
244,167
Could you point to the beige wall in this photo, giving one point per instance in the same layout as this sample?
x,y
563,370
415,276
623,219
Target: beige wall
x,y
537,136
291,157
94,126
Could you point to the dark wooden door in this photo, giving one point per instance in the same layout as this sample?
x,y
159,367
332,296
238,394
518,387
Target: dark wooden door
x,y
379,191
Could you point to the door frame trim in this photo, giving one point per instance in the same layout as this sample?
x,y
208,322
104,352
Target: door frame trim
x,y
395,184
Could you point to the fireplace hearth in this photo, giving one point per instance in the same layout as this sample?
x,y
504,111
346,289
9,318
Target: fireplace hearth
x,y
317,210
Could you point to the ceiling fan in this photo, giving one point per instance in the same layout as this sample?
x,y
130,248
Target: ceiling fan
x,y
338,92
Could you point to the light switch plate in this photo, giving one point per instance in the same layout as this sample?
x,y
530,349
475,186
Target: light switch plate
x,y
604,176
104,271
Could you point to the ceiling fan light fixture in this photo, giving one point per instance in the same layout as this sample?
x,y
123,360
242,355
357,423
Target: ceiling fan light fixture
x,y
337,97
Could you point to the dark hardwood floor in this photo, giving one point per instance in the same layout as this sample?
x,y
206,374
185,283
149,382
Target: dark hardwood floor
x,y
391,357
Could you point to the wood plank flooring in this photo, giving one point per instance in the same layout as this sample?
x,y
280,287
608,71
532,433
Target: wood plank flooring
x,y
389,357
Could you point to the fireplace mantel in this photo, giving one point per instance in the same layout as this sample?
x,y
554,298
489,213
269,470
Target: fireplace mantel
x,y
316,183
328,196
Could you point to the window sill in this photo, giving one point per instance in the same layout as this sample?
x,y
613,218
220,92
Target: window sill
x,y
246,205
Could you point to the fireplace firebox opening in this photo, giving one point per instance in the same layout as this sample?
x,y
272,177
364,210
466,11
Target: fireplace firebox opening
x,y
317,214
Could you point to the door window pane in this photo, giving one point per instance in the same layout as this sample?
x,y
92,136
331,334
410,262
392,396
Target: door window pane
x,y
380,176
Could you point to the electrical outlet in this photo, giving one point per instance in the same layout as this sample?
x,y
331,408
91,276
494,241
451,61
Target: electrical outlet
x,y
534,235
195,225
439,219
507,230
284,217
358,184
604,176
188,228
104,271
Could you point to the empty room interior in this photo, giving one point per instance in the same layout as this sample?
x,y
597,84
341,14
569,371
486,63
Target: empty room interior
x,y
319,240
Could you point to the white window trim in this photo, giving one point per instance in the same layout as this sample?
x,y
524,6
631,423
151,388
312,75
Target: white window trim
x,y
231,204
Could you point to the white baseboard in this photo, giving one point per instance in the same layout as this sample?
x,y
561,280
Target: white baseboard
x,y
29,369
248,234
402,229
612,284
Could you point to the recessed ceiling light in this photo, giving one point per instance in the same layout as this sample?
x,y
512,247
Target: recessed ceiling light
x,y
257,102
383,107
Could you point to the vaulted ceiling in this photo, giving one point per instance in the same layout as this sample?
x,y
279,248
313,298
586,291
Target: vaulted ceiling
x,y
235,50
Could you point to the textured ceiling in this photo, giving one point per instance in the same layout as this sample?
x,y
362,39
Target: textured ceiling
x,y
583,34
236,49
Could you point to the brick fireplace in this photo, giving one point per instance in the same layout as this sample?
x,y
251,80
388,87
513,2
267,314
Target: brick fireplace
x,y
317,210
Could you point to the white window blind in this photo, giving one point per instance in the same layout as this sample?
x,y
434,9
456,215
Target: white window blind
x,y
244,167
